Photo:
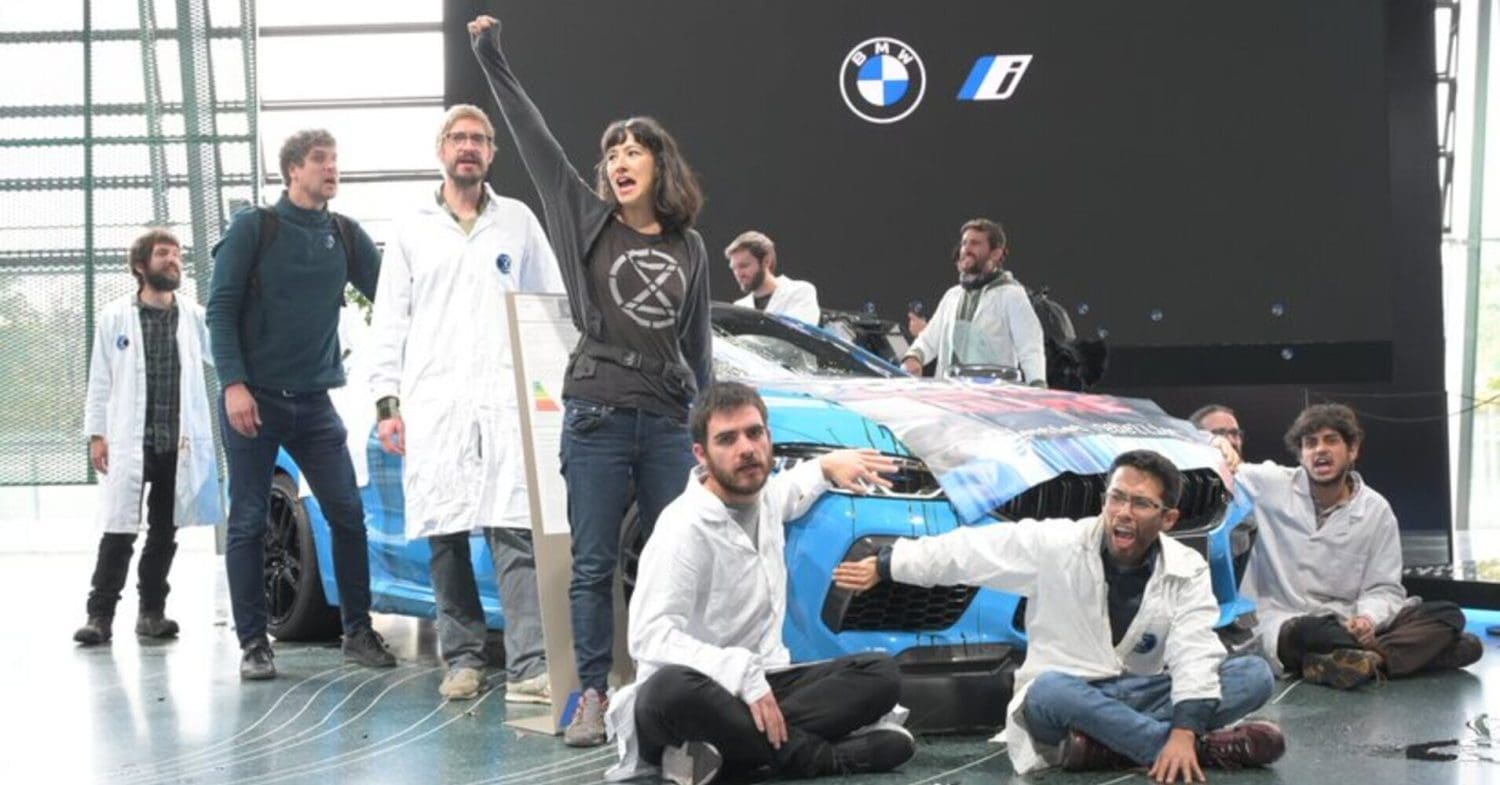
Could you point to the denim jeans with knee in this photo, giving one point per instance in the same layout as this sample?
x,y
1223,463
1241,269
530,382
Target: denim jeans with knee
x,y
605,451
1132,715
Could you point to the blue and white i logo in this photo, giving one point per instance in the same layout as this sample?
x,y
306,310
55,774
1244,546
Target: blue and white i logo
x,y
994,77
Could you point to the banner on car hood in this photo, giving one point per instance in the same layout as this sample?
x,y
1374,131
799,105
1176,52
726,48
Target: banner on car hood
x,y
988,442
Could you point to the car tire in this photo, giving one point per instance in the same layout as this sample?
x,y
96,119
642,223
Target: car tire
x,y
295,605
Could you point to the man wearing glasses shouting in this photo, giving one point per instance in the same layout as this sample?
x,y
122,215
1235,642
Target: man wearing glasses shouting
x,y
1123,667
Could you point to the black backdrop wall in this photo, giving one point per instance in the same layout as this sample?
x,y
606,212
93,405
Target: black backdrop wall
x,y
1242,197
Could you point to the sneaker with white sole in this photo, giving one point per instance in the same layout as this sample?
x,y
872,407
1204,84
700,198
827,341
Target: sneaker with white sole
x,y
461,684
587,727
537,689
693,763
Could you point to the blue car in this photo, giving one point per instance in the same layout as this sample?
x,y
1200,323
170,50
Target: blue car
x,y
970,454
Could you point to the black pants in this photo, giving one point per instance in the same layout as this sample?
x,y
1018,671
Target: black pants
x,y
113,563
1409,643
821,703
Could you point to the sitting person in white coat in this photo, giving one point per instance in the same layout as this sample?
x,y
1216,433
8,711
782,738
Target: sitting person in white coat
x,y
446,399
715,688
1123,667
752,259
986,319
149,423
1326,570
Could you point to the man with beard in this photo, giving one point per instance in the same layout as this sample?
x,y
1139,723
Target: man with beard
x,y
279,279
148,422
752,260
1326,571
714,685
1123,667
986,319
445,397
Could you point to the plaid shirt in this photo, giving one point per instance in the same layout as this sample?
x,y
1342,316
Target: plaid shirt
x,y
163,374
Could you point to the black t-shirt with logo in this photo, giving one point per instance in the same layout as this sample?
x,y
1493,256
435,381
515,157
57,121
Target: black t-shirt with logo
x,y
638,282
762,302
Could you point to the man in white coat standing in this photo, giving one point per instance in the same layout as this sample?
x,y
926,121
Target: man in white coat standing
x,y
986,319
445,393
714,684
148,423
1326,571
1123,667
752,259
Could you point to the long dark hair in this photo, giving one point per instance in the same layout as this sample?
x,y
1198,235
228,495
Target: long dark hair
x,y
677,195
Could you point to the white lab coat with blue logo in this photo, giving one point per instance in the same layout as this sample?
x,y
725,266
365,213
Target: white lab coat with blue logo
x,y
793,298
116,410
440,340
1058,566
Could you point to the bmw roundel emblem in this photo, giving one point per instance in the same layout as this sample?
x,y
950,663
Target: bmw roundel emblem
x,y
882,80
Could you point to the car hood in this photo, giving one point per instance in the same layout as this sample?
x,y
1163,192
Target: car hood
x,y
985,442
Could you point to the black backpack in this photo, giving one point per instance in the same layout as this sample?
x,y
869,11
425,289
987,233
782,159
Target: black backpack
x,y
1071,364
270,224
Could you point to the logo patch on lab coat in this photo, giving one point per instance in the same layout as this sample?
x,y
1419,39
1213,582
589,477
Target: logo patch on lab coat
x,y
503,262
121,342
1146,643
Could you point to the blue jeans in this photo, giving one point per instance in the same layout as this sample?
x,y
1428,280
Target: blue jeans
x,y
604,451
1132,715
312,433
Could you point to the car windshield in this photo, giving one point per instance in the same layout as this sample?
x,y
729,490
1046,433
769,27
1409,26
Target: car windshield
x,y
802,352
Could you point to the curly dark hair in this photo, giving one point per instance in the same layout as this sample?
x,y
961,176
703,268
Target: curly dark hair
x,y
718,398
1324,415
141,250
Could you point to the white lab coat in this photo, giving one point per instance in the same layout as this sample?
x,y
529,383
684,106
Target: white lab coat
x,y
797,299
440,340
1349,567
1005,331
1058,566
116,410
709,599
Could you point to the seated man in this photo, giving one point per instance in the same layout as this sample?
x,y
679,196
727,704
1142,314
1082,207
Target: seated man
x,y
714,686
1123,666
1326,571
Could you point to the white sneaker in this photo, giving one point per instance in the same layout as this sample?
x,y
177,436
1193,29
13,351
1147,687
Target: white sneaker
x,y
461,684
693,763
537,689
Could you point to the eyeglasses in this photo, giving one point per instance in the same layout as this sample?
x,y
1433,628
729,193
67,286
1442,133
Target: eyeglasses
x,y
1228,433
457,139
1117,498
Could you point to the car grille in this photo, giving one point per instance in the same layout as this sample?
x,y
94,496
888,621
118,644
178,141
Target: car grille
x,y
894,606
1080,496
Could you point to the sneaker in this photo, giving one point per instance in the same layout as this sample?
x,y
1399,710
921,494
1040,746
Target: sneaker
x,y
1250,743
1081,752
587,727
693,763
461,684
94,631
1343,669
367,648
537,689
258,663
1464,652
873,749
155,625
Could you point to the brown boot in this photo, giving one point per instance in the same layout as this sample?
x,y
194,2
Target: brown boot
x,y
1464,652
1080,752
95,631
1250,743
1343,669
155,625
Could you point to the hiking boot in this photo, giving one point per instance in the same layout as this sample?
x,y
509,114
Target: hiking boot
x,y
1342,669
1250,743
537,689
155,625
1081,752
461,684
258,663
367,648
873,749
94,631
1464,652
693,763
587,727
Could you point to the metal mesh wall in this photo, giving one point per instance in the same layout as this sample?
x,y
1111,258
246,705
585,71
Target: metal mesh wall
x,y
116,116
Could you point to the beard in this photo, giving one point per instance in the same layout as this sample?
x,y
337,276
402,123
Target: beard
x,y
466,180
730,480
755,283
162,282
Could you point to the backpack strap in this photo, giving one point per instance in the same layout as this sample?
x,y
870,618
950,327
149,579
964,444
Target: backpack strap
x,y
345,229
270,224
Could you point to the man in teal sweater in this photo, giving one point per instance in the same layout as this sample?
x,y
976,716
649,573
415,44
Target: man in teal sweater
x,y
273,316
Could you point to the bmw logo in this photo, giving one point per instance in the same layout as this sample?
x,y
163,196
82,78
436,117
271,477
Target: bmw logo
x,y
882,80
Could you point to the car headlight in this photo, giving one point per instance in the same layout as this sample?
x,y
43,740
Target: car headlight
x,y
912,480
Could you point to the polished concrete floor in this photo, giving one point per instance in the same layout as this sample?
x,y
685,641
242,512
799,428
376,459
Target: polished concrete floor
x,y
150,713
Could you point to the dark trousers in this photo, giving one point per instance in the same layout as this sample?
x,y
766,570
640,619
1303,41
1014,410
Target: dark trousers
x,y
821,703
1408,644
312,433
113,563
